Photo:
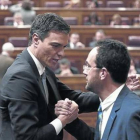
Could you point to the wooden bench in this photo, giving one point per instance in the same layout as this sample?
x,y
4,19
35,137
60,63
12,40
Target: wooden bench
x,y
86,32
104,13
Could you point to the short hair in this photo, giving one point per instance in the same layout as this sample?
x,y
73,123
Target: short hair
x,y
26,5
114,56
100,31
93,15
96,3
8,47
44,23
64,61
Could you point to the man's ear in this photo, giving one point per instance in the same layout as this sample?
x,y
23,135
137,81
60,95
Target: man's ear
x,y
35,39
103,73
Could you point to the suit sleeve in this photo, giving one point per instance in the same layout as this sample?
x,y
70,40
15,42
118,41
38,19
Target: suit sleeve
x,y
21,95
87,101
80,130
133,126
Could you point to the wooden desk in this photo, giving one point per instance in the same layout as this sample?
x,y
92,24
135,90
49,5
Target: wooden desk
x,y
104,13
86,32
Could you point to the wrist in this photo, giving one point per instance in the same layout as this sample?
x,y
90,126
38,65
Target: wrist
x,y
63,120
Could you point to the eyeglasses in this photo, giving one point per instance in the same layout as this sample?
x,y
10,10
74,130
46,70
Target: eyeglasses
x,y
87,68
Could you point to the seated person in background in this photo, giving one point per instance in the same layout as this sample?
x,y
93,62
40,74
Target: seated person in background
x,y
116,20
6,60
137,21
92,4
25,8
99,35
74,41
93,19
136,4
73,4
65,68
4,4
17,19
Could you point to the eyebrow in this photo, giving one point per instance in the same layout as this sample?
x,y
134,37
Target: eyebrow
x,y
57,44
86,63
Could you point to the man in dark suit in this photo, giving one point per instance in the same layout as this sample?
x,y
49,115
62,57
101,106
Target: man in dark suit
x,y
5,58
106,70
29,89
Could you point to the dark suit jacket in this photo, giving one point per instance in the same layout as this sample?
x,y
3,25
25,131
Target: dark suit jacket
x,y
124,120
24,113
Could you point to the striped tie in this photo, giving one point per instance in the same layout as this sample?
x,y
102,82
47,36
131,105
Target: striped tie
x,y
45,86
98,124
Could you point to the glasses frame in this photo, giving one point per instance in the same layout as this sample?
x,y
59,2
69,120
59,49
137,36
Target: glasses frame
x,y
88,68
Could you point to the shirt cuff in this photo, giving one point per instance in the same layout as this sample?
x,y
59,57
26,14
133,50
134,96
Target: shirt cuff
x,y
57,125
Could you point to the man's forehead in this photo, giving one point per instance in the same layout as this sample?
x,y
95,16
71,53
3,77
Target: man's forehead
x,y
92,56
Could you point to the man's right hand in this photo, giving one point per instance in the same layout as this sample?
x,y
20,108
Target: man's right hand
x,y
72,115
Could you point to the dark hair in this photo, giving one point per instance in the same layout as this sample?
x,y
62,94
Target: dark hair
x,y
26,5
94,16
96,3
113,55
44,23
64,61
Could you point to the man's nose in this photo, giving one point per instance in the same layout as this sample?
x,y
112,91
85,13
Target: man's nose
x,y
61,53
85,72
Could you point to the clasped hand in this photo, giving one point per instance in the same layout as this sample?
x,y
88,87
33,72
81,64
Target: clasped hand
x,y
66,110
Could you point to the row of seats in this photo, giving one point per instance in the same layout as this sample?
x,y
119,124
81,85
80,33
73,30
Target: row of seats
x,y
110,4
23,41
74,20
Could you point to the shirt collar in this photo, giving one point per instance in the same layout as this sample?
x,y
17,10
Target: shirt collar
x,y
39,66
111,98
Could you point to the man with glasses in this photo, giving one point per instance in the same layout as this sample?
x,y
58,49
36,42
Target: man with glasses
x,y
106,69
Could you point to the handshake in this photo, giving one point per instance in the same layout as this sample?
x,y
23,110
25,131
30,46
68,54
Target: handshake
x,y
66,110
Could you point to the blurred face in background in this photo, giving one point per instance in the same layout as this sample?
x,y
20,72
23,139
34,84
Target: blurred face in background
x,y
137,4
74,38
18,18
4,2
99,36
64,66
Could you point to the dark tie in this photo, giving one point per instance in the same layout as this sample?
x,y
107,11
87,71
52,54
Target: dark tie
x,y
99,120
43,76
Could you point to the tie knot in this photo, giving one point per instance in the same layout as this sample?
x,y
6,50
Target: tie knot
x,y
43,76
100,109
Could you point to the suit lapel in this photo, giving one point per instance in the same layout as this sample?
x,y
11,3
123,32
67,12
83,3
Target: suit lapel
x,y
113,115
29,59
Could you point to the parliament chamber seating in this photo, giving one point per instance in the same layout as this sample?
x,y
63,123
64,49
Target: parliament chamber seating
x,y
134,41
32,2
52,4
104,13
8,20
18,41
115,4
71,20
76,17
40,3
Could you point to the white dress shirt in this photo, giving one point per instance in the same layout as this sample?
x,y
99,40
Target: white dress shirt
x,y
56,123
107,106
72,46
